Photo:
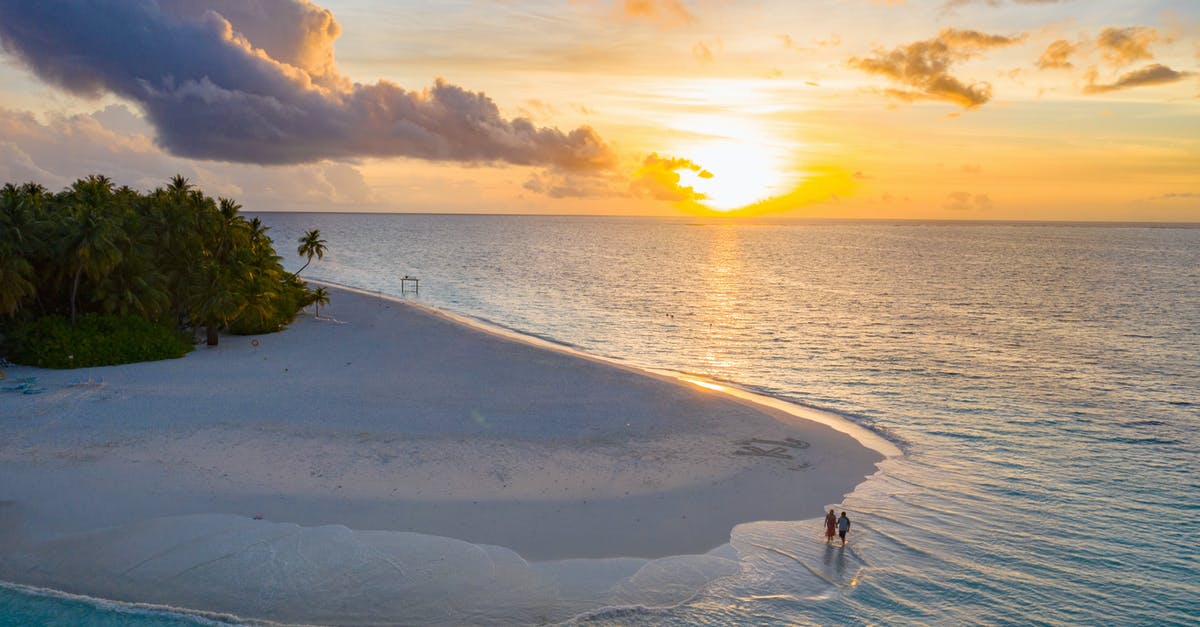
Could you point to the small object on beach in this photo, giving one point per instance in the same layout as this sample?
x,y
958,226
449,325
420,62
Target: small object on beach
x,y
254,343
778,451
258,517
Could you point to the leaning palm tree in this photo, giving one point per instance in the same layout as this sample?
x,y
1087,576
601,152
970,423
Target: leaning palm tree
x,y
320,297
311,245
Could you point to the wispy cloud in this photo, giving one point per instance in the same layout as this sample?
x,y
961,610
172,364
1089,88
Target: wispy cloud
x,y
954,4
255,81
1178,196
665,12
925,66
1155,74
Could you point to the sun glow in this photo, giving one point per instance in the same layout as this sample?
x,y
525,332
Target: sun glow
x,y
741,163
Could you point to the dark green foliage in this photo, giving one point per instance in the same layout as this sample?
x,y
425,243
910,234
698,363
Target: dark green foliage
x,y
95,340
171,256
289,298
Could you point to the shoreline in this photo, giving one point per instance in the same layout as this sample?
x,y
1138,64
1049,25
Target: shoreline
x,y
862,434
420,426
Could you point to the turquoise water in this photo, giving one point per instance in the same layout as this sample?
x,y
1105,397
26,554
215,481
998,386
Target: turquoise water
x,y
1041,379
22,606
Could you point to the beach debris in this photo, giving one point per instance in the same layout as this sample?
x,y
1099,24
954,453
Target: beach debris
x,y
750,449
786,442
760,447
258,517
24,385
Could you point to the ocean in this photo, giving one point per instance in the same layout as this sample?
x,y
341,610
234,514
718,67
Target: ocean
x,y
1042,381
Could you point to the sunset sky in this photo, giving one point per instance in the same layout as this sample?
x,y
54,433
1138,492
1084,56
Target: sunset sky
x,y
945,109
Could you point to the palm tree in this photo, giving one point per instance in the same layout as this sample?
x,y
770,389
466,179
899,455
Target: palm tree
x,y
310,244
15,285
93,247
217,297
320,297
17,247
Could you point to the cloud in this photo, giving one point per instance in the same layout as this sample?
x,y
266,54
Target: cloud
x,y
702,53
1154,74
973,39
954,4
963,201
254,81
1122,46
1057,55
63,148
559,184
925,66
658,178
1177,196
295,32
819,185
665,12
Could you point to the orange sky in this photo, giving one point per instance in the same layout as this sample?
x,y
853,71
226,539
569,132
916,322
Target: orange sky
x,y
997,109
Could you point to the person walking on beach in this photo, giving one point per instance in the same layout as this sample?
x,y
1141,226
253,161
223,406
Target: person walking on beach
x,y
830,526
843,525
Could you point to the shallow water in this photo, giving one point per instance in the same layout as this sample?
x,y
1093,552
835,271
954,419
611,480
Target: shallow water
x,y
1041,380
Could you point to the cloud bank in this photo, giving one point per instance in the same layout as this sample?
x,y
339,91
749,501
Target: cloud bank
x,y
925,67
255,81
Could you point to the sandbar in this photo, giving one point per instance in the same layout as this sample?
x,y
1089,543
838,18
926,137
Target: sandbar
x,y
386,432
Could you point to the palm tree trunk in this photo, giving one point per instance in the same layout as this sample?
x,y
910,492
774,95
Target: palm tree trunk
x,y
297,273
75,290
212,334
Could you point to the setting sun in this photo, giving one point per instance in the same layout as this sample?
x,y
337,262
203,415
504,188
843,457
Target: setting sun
x,y
738,171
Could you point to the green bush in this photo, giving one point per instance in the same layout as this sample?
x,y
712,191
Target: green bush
x,y
53,342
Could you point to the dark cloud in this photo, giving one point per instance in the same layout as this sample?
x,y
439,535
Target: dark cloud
x,y
113,142
1155,74
925,66
1057,55
1122,46
254,81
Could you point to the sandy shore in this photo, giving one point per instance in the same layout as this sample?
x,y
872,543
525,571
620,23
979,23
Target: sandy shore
x,y
399,434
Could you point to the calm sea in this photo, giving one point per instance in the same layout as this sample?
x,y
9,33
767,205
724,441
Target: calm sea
x,y
1043,382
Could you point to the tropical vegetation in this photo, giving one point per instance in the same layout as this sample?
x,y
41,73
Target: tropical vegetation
x,y
74,265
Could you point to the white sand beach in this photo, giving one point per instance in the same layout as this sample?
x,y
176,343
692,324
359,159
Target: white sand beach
x,y
387,463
